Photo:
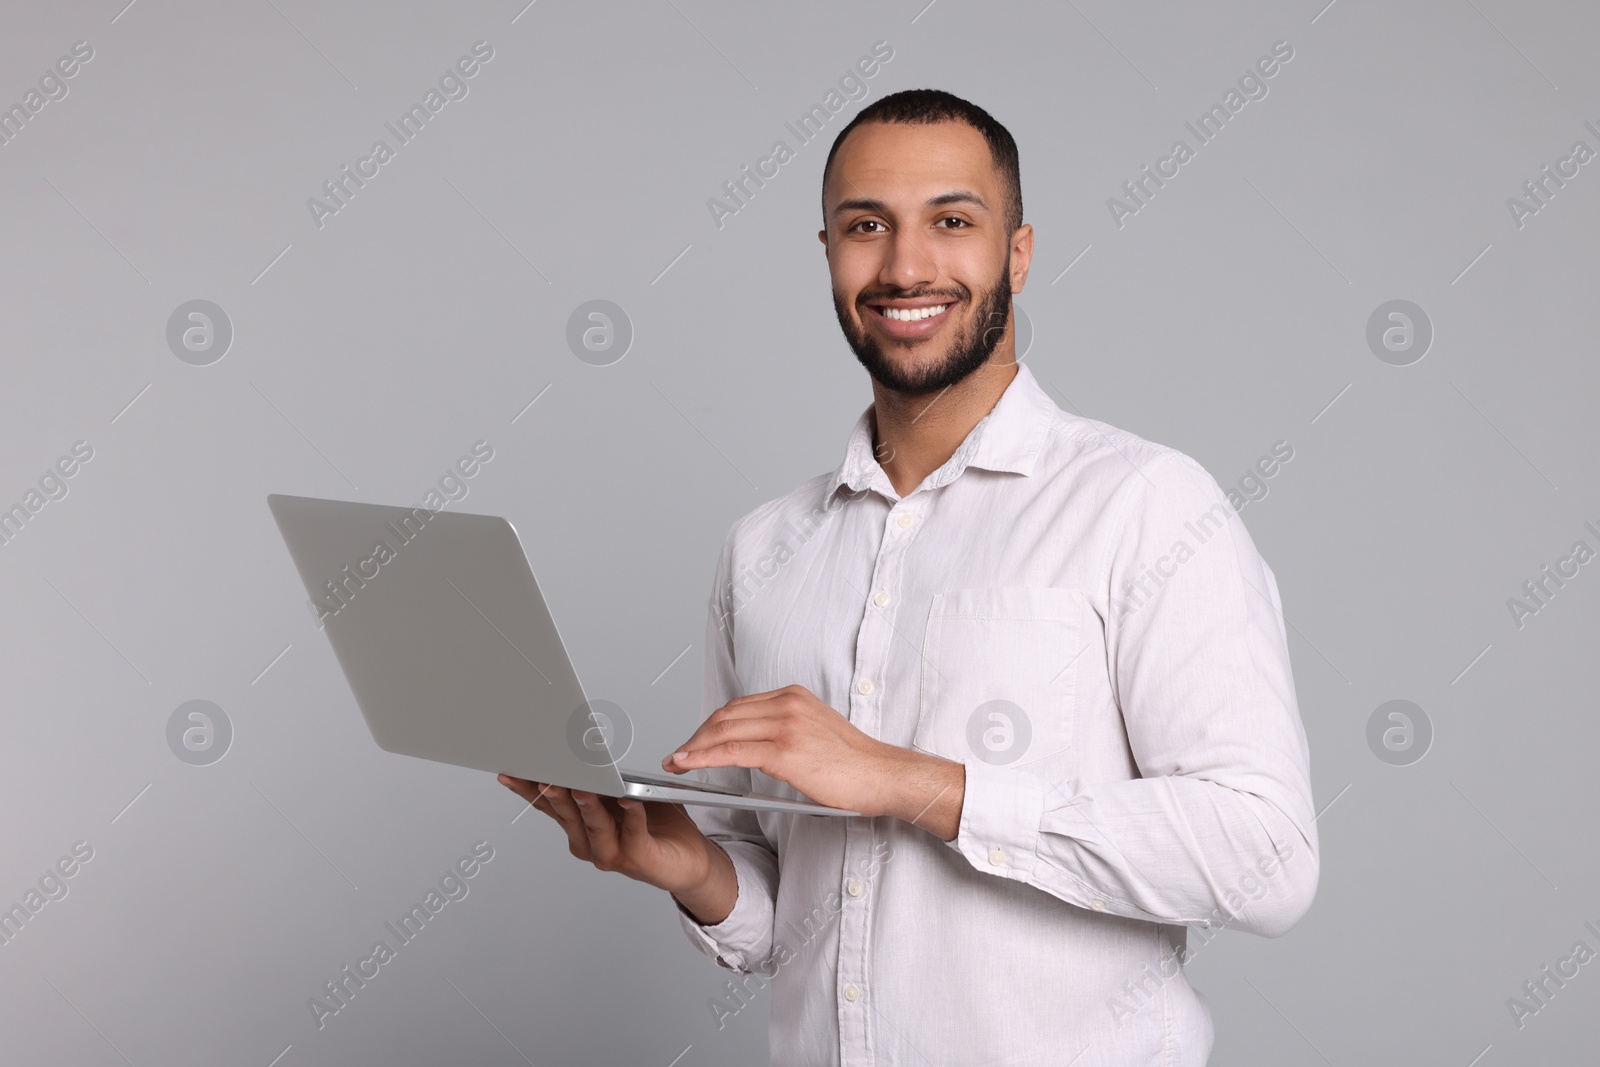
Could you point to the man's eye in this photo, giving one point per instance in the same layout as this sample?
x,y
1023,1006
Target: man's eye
x,y
866,222
955,218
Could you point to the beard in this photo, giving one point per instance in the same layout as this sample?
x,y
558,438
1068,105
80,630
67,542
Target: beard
x,y
971,344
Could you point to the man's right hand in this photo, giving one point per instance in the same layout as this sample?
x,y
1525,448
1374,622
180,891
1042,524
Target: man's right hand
x,y
650,841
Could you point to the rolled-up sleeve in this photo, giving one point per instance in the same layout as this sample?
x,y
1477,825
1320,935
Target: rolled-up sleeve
x,y
743,940
1218,829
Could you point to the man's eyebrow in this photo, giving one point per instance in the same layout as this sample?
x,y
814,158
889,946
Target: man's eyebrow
x,y
959,196
955,196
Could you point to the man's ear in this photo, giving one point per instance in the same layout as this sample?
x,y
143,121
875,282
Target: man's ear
x,y
822,235
1021,256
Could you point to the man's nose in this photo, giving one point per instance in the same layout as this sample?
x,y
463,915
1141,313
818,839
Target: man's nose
x,y
908,265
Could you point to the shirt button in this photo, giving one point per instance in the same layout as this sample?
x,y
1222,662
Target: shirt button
x,y
851,993
865,686
882,600
997,857
854,887
904,520
1097,904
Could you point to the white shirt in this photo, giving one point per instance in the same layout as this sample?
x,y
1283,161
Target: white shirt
x,y
1077,616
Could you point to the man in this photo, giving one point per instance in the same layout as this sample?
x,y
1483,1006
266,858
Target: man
x,y
1037,653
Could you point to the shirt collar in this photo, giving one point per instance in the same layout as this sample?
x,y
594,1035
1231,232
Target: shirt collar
x,y
1009,438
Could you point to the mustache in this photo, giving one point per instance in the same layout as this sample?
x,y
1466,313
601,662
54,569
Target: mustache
x,y
867,298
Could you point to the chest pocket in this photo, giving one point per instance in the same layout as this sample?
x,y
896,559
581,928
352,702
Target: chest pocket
x,y
998,677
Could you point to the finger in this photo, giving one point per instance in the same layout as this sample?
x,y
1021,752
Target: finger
x,y
600,825
724,732
768,695
756,755
756,720
532,792
560,805
755,704
520,786
567,813
513,783
539,799
635,833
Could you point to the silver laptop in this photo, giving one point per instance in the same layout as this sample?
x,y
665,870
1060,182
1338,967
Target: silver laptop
x,y
452,654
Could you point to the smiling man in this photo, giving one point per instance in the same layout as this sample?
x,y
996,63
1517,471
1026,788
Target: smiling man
x,y
1036,652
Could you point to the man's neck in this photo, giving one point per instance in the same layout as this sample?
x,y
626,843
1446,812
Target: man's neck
x,y
913,436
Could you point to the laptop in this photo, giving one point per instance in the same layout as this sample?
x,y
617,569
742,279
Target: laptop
x,y
452,654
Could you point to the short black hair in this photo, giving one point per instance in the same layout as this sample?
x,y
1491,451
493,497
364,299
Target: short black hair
x,y
923,107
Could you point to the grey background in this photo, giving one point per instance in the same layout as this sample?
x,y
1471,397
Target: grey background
x,y
1228,314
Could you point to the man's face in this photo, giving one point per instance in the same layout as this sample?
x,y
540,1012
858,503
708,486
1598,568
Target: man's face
x,y
915,224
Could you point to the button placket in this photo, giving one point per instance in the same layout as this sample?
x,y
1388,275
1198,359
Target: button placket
x,y
852,964
877,621
873,642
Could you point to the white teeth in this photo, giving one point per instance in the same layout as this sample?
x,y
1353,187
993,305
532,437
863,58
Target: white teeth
x,y
913,314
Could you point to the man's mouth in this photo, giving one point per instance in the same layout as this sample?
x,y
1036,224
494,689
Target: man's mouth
x,y
909,318
912,314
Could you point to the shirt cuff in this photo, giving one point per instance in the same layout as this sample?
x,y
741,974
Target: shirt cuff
x,y
1000,816
744,936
